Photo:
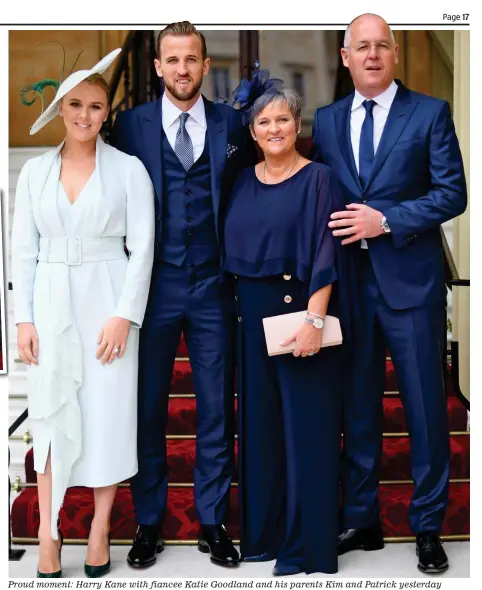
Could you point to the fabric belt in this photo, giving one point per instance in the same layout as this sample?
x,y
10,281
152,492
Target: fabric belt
x,y
75,250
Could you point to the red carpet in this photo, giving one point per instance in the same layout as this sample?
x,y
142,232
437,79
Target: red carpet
x,y
181,522
395,459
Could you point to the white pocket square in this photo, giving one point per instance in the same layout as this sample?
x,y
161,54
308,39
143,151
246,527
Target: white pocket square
x,y
231,150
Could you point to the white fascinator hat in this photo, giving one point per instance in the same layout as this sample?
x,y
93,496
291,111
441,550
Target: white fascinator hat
x,y
67,85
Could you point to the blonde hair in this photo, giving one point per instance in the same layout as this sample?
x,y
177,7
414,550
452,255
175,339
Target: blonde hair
x,y
98,80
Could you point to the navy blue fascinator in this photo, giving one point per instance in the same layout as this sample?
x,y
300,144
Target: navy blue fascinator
x,y
249,91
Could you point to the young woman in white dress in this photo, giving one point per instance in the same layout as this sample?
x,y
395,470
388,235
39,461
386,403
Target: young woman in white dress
x,y
79,303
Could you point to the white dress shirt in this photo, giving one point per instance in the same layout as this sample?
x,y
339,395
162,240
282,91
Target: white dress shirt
x,y
195,124
380,114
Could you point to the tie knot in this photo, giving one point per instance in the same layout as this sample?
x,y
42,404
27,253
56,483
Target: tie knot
x,y
369,104
183,118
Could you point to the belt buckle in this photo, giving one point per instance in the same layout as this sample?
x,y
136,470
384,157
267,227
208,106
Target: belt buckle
x,y
73,249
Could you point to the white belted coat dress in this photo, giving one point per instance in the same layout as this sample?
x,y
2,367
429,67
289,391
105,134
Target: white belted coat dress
x,y
70,276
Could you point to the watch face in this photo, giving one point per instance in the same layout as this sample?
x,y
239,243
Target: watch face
x,y
318,323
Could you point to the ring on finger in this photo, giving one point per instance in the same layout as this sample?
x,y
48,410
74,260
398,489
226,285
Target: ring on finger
x,y
311,353
116,350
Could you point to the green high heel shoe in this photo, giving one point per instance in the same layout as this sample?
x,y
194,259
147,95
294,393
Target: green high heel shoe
x,y
58,573
96,571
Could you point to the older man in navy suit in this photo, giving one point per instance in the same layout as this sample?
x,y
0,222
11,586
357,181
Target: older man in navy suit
x,y
398,159
192,149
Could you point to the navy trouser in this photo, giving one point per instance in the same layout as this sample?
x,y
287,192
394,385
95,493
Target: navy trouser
x,y
186,299
289,455
415,338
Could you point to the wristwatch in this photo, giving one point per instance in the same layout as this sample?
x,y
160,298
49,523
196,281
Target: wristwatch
x,y
385,226
315,322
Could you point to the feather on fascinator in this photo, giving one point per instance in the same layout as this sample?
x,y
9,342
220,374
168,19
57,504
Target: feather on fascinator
x,y
249,91
37,88
61,87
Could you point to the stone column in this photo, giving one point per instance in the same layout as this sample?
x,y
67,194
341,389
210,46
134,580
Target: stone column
x,y
461,238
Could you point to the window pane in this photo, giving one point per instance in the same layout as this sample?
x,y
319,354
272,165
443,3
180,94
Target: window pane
x,y
223,77
307,61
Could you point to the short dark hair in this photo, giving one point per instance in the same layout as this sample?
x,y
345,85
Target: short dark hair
x,y
181,29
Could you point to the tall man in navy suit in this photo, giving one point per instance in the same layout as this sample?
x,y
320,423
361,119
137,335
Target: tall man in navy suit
x,y
398,159
192,149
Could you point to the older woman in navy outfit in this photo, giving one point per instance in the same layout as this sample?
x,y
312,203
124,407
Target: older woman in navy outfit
x,y
283,259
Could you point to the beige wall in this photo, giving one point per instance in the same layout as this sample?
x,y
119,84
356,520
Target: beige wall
x,y
415,60
29,63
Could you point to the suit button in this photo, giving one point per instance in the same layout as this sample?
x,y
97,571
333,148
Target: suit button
x,y
189,219
287,277
235,297
189,232
158,217
156,244
288,299
188,192
188,205
363,200
240,319
188,245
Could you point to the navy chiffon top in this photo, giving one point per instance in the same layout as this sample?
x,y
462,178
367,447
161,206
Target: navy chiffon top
x,y
273,229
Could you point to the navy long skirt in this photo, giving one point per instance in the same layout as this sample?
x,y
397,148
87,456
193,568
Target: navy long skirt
x,y
289,445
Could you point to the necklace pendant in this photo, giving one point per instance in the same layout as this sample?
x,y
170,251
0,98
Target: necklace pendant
x,y
286,177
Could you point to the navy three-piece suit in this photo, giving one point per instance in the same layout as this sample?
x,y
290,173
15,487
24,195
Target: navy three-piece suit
x,y
417,181
186,296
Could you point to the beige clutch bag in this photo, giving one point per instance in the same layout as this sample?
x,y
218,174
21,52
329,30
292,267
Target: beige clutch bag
x,y
278,327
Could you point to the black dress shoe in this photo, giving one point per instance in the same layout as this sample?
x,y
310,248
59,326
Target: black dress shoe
x,y
369,539
215,540
432,558
145,547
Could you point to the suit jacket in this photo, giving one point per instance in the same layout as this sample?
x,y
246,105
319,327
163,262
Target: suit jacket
x,y
417,182
138,132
